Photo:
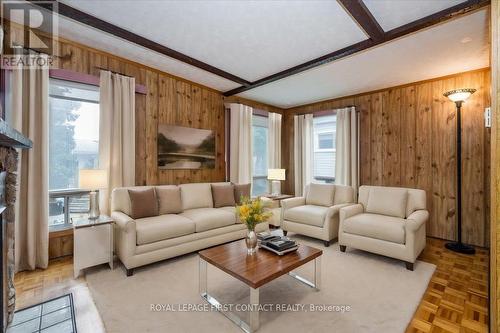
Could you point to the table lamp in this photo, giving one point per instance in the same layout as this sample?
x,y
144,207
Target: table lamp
x,y
459,96
93,180
276,176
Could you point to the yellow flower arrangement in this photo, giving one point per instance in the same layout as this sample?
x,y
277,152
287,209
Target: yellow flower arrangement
x,y
251,212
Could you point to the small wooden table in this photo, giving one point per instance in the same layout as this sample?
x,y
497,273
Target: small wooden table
x,y
275,208
255,271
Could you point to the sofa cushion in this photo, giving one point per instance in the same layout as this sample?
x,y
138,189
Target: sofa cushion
x,y
308,214
232,210
387,201
387,228
197,195
209,218
241,190
223,195
143,203
157,228
169,199
320,194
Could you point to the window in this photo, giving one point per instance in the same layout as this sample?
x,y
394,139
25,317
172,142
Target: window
x,y
259,142
73,145
324,129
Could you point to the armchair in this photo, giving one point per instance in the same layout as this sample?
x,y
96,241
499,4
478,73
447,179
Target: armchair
x,y
389,221
316,213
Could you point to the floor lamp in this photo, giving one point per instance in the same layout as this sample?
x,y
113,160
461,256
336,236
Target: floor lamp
x,y
459,96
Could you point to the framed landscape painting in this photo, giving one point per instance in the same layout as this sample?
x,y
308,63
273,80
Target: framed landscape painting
x,y
185,148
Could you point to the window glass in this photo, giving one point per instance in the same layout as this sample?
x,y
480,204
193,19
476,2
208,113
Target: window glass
x,y
73,145
324,129
260,141
73,132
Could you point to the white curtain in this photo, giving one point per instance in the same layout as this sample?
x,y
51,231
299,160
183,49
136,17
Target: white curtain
x,y
116,133
303,150
240,170
346,160
30,116
274,149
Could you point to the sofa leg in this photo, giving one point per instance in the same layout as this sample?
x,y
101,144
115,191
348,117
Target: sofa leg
x,y
342,248
327,243
409,265
285,232
130,272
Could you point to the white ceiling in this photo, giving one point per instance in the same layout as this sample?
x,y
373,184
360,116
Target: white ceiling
x,y
254,39
251,39
435,52
391,14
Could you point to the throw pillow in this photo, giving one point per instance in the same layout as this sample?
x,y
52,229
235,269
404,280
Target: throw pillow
x,y
143,203
169,199
241,190
223,195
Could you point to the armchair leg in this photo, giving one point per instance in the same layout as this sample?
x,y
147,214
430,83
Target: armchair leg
x,y
285,232
130,272
327,243
342,248
409,265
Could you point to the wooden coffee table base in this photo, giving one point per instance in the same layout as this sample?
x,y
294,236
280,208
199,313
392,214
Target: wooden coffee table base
x,y
253,325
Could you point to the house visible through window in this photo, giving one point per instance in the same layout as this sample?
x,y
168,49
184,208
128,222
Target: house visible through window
x,y
259,141
324,148
73,145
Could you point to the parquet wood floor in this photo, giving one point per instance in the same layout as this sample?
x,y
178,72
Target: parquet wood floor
x,y
456,300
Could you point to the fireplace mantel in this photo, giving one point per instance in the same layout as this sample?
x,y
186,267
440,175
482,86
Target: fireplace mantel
x,y
9,137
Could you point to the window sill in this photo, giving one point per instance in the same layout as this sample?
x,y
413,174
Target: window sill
x,y
56,229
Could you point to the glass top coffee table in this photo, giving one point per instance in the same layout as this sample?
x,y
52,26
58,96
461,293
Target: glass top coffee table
x,y
255,271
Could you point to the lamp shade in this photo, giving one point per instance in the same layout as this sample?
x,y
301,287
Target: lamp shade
x,y
93,179
459,95
276,174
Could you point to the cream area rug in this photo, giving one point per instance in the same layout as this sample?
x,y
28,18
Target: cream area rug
x,y
361,292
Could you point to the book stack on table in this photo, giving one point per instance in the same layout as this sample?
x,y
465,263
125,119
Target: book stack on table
x,y
276,244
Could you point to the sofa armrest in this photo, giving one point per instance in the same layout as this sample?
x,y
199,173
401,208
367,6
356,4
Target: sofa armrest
x,y
125,237
350,210
293,202
416,220
123,221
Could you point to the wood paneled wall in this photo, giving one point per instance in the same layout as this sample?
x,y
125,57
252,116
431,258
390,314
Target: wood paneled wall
x,y
408,138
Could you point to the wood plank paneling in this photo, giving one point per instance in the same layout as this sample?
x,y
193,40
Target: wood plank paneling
x,y
391,120
408,138
423,163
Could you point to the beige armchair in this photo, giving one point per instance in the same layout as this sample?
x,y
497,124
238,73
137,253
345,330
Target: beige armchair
x,y
387,220
316,214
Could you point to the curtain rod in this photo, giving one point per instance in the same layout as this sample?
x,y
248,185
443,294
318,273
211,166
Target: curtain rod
x,y
114,72
326,111
68,56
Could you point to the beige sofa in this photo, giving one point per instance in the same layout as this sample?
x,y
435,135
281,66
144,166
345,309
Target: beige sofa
x,y
316,214
143,241
387,220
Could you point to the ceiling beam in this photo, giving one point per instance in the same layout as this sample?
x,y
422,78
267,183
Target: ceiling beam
x,y
92,21
361,14
425,22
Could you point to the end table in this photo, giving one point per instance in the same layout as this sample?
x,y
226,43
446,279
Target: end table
x,y
93,243
275,207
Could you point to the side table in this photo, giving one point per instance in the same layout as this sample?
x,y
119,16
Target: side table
x,y
93,243
274,206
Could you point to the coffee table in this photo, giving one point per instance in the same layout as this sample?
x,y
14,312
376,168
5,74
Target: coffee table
x,y
255,271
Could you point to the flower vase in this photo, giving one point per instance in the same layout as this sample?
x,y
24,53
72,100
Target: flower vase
x,y
251,241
